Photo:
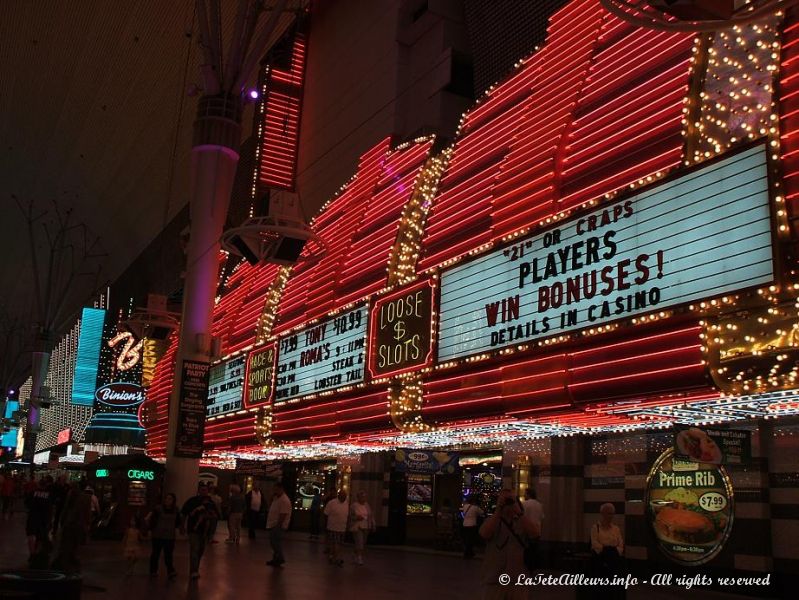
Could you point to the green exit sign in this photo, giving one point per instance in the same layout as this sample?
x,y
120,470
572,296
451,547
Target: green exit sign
x,y
100,473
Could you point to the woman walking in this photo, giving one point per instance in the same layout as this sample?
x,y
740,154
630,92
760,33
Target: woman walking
x,y
237,505
361,523
471,512
163,521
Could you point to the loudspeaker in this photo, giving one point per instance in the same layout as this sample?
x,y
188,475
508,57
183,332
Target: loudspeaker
x,y
237,242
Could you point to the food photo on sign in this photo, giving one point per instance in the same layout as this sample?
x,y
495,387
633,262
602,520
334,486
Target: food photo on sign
x,y
690,507
420,494
716,446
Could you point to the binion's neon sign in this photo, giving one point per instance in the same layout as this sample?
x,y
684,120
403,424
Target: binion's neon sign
x,y
130,355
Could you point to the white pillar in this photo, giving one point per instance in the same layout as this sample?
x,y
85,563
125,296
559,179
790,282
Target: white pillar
x,y
214,159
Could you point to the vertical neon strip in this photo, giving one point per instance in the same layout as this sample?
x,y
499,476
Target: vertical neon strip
x,y
91,337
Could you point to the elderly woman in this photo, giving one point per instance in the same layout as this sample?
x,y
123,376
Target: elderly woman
x,y
607,549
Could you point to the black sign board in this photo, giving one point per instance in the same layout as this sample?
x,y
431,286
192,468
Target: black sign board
x,y
258,468
259,377
400,338
191,409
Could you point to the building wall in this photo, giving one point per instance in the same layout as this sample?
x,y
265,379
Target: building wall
x,y
63,414
373,71
574,476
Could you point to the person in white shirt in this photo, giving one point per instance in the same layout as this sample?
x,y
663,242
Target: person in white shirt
x,y
606,536
533,512
277,521
470,512
361,523
607,549
337,512
254,498
533,509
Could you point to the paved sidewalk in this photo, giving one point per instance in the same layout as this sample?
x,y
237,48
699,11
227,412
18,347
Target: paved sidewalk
x,y
239,573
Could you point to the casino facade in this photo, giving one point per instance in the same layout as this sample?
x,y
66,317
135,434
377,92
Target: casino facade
x,y
607,249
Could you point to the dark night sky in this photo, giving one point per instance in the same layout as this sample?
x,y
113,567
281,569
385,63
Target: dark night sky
x,y
94,115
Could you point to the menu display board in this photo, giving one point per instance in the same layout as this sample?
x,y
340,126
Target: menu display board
x,y
324,356
309,484
225,386
716,446
399,331
137,493
191,409
705,233
690,508
259,376
420,494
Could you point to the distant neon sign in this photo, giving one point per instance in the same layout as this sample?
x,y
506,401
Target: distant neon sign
x,y
130,355
64,436
139,475
101,473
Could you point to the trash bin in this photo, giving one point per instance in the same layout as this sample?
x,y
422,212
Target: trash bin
x,y
39,585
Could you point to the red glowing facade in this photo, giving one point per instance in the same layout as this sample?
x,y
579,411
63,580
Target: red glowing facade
x,y
600,107
280,119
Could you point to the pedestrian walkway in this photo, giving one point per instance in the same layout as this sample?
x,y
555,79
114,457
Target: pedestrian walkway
x,y
239,572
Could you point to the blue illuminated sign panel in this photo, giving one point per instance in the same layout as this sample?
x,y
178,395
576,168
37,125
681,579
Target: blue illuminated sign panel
x,y
9,439
88,359
700,235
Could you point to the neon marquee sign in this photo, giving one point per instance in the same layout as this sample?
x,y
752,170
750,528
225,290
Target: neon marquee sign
x,y
130,355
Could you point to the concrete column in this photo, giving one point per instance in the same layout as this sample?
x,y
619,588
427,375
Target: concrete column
x,y
564,513
214,158
40,366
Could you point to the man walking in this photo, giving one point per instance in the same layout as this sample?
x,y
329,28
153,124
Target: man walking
x,y
533,509
198,512
277,521
471,512
37,527
534,512
337,512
